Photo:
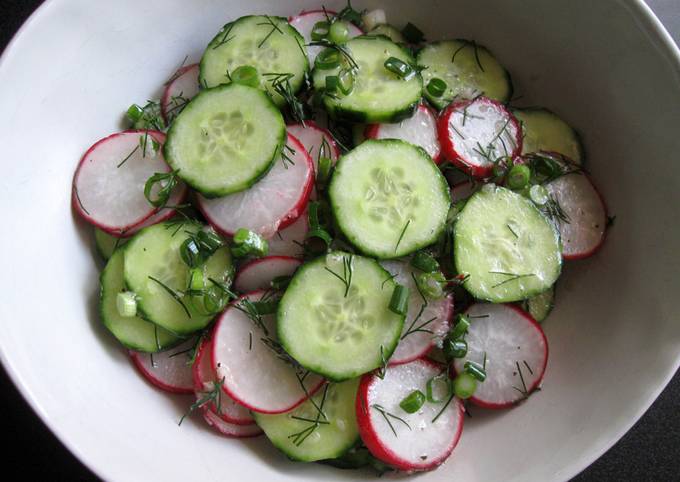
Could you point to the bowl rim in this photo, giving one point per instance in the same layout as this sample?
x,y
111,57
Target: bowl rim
x,y
657,33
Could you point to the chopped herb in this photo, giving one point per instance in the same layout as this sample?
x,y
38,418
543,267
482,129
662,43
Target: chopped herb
x,y
387,415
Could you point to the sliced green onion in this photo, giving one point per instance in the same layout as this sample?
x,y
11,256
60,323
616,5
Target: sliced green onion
x,y
400,68
196,279
246,75
126,304
316,229
424,261
351,15
436,87
167,182
455,348
464,386
210,240
539,194
324,167
399,301
215,299
190,252
339,32
248,243
460,328
442,381
134,113
265,307
519,176
327,59
343,82
320,30
412,33
476,370
431,284
412,402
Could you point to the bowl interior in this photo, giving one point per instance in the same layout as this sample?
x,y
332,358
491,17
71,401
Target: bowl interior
x,y
614,336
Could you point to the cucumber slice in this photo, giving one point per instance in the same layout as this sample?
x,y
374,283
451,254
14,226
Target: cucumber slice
x,y
267,43
507,247
389,198
105,243
545,131
388,31
225,139
378,94
334,318
468,69
540,306
154,252
133,332
308,442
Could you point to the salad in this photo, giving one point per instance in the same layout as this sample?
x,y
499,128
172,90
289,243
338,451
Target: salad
x,y
339,235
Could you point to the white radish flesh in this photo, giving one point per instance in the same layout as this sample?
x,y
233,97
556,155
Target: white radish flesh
x,y
420,129
204,383
585,211
108,186
318,142
272,203
425,438
180,89
247,356
259,273
288,241
304,23
515,349
169,369
373,18
427,321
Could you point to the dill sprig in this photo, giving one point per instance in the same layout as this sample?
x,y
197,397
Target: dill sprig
x,y
280,83
343,50
469,43
382,370
553,209
127,157
225,36
275,28
512,277
448,401
420,328
299,437
214,395
347,271
401,236
285,156
176,295
524,391
387,416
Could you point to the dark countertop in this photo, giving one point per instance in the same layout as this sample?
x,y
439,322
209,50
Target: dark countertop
x,y
650,451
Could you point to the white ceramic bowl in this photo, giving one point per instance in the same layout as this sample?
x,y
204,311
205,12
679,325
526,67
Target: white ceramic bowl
x,y
607,67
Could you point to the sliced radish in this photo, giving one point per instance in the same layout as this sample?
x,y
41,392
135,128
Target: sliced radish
x,y
177,197
229,429
304,23
432,432
169,370
180,89
463,190
108,186
432,316
204,382
259,273
474,134
272,203
584,208
316,140
246,354
516,353
289,241
419,129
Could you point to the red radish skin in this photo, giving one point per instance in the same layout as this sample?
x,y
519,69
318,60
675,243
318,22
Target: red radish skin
x,y
229,429
583,204
271,204
181,88
254,375
459,142
167,370
380,440
204,382
420,129
304,23
111,197
417,344
311,136
510,336
288,241
259,273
